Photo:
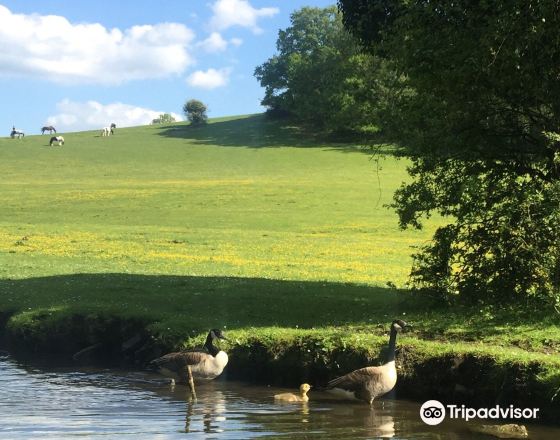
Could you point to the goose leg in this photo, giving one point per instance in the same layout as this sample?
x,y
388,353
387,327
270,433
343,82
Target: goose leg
x,y
191,381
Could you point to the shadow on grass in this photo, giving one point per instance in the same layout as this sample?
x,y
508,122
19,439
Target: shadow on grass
x,y
260,131
196,303
76,313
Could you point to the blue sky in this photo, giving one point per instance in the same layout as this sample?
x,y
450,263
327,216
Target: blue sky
x,y
80,65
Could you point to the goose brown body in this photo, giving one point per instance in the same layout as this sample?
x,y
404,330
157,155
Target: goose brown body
x,y
203,365
368,383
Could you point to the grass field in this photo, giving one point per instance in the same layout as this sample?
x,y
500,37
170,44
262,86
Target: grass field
x,y
244,198
244,223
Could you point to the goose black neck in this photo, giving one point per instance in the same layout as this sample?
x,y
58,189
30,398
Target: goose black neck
x,y
392,345
209,344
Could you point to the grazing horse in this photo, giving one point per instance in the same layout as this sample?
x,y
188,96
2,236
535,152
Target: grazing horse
x,y
50,129
58,139
17,133
107,131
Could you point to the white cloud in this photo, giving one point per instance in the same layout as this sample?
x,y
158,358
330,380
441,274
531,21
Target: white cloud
x,y
77,116
214,43
210,79
236,42
49,46
228,13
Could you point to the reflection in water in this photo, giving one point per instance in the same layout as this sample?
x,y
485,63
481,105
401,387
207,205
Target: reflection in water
x,y
213,413
189,413
376,422
380,425
105,404
305,412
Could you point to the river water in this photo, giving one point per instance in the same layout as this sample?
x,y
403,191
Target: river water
x,y
57,403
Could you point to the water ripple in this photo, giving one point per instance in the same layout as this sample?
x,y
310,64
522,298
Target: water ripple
x,y
67,404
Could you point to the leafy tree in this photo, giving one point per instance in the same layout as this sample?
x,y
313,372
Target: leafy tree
x,y
164,118
319,74
480,122
195,112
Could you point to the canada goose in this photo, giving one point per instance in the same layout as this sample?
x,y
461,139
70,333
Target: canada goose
x,y
370,382
291,397
183,366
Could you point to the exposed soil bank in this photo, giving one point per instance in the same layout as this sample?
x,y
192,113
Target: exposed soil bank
x,y
451,377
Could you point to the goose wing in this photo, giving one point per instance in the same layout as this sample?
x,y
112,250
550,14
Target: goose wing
x,y
178,361
355,380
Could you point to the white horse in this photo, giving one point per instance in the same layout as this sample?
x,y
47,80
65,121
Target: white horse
x,y
58,139
17,133
108,131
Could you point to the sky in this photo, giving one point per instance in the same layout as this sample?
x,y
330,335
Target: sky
x,y
84,64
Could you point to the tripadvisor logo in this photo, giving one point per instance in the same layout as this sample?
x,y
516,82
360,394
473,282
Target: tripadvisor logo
x,y
433,412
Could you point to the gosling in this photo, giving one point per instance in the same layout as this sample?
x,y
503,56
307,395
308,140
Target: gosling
x,y
291,397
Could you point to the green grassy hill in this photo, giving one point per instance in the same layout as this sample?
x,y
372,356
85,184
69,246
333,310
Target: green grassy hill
x,y
241,197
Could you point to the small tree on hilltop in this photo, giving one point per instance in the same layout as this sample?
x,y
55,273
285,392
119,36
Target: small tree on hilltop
x,y
164,118
195,112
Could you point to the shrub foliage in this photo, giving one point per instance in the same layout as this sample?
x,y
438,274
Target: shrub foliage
x,y
480,122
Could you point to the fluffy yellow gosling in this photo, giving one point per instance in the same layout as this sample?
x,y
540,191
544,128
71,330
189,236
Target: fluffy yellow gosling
x,y
291,397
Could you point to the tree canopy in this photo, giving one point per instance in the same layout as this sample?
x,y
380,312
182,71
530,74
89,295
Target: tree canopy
x,y
164,118
480,120
319,75
195,111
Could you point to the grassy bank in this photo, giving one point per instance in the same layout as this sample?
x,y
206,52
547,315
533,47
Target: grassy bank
x,y
284,333
275,234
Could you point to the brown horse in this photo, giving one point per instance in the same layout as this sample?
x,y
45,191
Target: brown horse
x,y
50,129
